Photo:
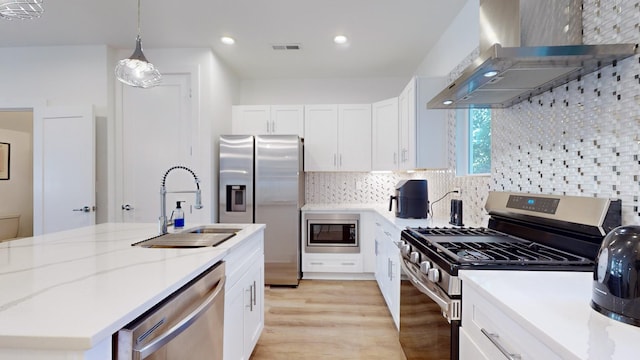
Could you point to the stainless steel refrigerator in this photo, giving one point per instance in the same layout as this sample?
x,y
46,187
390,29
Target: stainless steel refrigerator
x,y
262,181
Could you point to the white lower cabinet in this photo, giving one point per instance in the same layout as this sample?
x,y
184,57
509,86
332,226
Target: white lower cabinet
x,y
488,332
388,265
244,301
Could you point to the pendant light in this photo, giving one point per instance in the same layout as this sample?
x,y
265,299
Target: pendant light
x,y
21,9
136,70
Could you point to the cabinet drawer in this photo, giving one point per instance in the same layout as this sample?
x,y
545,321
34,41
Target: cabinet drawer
x,y
481,320
341,263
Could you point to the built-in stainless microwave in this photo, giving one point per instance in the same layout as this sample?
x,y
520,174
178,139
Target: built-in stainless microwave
x,y
332,233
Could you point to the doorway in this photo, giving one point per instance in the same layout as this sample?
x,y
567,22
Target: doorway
x,y
16,129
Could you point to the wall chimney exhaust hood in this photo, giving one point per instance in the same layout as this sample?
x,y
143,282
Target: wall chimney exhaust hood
x,y
552,54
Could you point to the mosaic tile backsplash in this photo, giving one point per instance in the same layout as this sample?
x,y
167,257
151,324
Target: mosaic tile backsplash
x,y
581,139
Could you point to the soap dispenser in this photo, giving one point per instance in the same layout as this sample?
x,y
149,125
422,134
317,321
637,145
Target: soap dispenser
x,y
178,216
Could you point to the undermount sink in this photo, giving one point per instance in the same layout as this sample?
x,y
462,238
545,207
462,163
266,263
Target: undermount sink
x,y
202,236
211,230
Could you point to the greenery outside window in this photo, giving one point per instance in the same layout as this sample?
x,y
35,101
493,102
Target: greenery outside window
x,y
473,142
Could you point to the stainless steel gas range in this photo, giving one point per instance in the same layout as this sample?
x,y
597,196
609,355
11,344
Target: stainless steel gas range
x,y
525,232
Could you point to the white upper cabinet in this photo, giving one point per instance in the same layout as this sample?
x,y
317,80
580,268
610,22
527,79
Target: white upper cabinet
x,y
428,129
384,138
268,120
337,137
407,135
432,130
407,127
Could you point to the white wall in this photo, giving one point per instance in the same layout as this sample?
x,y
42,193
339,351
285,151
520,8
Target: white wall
x,y
460,39
16,193
61,75
319,91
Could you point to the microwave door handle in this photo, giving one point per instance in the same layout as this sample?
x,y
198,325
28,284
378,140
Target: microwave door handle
x,y
178,328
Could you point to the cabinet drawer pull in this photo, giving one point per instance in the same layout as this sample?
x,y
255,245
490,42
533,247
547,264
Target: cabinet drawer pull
x,y
317,263
348,263
495,340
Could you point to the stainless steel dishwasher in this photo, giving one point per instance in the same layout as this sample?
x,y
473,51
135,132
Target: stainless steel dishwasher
x,y
187,325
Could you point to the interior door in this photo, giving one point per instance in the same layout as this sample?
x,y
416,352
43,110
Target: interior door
x,y
64,168
157,135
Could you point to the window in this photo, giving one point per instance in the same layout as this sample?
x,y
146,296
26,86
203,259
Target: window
x,y
473,141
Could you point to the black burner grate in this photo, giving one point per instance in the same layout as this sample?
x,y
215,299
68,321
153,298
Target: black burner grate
x,y
487,246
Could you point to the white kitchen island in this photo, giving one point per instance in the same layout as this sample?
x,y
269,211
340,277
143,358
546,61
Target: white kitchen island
x,y
63,295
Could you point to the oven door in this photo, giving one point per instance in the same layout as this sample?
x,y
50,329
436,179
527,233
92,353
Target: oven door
x,y
429,319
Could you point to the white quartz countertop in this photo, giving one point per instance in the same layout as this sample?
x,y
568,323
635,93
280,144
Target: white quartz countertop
x,y
72,289
382,210
555,307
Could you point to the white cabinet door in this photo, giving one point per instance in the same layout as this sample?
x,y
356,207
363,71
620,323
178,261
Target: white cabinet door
x,y
388,266
321,137
393,254
244,299
253,306
287,120
407,118
384,139
354,136
250,119
337,137
431,126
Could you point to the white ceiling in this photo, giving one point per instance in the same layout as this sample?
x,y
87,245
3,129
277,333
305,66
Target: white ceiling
x,y
388,38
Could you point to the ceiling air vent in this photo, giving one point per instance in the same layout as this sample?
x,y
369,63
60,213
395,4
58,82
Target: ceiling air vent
x,y
286,46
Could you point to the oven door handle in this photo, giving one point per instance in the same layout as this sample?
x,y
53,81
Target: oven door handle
x,y
448,306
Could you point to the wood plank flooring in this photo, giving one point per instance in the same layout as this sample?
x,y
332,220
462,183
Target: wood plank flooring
x,y
327,320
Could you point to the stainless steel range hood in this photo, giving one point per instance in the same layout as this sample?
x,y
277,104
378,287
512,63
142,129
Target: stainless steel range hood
x,y
552,54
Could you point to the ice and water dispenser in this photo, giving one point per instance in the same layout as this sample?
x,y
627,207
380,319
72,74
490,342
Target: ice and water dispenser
x,y
236,198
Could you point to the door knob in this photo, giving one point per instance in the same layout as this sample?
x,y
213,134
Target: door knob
x,y
83,209
127,207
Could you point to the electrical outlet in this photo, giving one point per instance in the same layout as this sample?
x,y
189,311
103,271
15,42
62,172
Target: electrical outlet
x,y
458,192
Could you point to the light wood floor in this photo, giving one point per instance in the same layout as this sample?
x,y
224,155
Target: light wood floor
x,y
327,320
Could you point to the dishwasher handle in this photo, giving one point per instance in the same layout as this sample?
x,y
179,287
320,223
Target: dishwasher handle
x,y
178,328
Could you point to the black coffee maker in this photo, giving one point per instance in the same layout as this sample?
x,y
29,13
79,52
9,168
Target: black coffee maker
x,y
412,199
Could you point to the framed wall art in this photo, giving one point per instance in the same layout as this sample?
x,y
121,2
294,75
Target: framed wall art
x,y
5,158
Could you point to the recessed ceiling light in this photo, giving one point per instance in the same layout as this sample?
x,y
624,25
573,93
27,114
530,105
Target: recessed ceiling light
x,y
491,73
227,40
340,39
447,102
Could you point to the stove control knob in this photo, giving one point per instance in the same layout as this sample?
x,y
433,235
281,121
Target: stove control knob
x,y
405,250
425,266
414,257
433,275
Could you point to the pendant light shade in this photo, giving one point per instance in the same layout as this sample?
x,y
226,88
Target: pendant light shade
x,y
136,70
21,9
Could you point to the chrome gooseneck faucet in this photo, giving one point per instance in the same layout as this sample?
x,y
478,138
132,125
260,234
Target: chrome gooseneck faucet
x,y
163,196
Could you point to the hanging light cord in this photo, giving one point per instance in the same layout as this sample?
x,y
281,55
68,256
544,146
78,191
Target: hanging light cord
x,y
138,17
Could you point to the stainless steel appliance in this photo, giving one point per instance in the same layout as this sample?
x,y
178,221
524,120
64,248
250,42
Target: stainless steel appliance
x,y
262,181
188,325
527,47
412,199
525,232
616,279
332,233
